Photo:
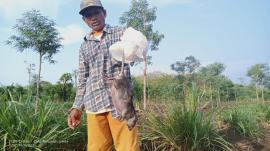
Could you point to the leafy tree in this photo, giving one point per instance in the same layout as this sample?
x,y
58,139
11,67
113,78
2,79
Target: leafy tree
x,y
188,66
47,91
64,86
141,17
14,92
36,32
179,67
211,77
186,72
191,64
260,76
214,69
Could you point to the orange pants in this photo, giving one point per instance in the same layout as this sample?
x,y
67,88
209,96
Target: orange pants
x,y
104,131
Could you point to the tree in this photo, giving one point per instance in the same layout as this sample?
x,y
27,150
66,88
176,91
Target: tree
x,y
186,70
30,69
75,75
211,75
191,64
188,66
179,67
38,33
141,17
64,86
260,76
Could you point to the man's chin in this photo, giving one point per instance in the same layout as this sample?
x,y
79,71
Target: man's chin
x,y
97,28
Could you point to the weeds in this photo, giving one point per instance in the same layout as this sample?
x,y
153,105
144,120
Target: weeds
x,y
182,128
266,112
21,128
244,122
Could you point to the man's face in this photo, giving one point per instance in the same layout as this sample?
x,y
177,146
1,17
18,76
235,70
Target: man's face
x,y
95,18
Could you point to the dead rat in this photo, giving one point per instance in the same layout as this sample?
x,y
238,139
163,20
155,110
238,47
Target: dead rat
x,y
122,96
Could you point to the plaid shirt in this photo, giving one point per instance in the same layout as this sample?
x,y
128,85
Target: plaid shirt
x,y
95,63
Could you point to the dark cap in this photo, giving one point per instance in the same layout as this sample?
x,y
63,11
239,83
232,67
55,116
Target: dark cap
x,y
89,3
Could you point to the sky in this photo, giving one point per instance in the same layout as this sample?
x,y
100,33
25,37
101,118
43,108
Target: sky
x,y
235,33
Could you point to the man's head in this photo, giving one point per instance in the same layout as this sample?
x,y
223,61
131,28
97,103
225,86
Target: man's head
x,y
93,14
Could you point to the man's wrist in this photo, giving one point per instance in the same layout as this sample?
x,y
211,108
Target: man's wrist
x,y
71,109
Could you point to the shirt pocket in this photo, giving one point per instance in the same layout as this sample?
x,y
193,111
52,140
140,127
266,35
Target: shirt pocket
x,y
96,84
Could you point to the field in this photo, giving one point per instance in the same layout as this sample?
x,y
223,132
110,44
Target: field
x,y
189,125
184,113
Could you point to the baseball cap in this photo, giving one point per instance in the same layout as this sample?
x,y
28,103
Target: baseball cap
x,y
89,3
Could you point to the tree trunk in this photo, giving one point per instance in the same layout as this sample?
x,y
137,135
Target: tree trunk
x,y
235,94
145,69
262,94
64,90
218,97
262,90
39,73
257,93
29,74
75,78
145,84
38,81
211,96
29,77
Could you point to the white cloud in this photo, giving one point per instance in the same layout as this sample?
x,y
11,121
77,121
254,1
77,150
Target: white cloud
x,y
11,9
72,34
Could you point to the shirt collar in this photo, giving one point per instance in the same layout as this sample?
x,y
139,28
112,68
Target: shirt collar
x,y
107,29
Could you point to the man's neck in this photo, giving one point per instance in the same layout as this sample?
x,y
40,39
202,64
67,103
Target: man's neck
x,y
97,33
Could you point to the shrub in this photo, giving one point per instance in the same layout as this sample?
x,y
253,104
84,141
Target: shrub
x,y
244,122
181,129
25,127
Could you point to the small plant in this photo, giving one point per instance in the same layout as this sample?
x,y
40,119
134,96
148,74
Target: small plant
x,y
266,112
244,122
22,128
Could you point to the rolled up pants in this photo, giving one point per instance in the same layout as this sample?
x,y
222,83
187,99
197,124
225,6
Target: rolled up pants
x,y
104,131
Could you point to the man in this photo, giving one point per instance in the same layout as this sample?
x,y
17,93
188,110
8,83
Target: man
x,y
93,91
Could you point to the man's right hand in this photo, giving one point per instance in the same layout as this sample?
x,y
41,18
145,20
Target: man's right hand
x,y
74,118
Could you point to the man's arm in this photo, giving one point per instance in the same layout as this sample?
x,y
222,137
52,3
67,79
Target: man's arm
x,y
83,74
74,117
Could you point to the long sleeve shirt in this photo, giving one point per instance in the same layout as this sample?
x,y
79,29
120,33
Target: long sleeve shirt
x,y
95,64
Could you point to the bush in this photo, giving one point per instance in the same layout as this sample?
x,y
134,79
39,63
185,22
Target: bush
x,y
265,108
181,129
244,121
23,126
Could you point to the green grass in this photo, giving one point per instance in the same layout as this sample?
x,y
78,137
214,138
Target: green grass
x,y
182,129
25,127
265,109
267,115
244,121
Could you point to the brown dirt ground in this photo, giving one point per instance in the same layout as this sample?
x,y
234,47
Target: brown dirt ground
x,y
245,144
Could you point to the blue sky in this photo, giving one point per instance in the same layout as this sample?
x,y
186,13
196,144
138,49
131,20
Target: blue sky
x,y
236,33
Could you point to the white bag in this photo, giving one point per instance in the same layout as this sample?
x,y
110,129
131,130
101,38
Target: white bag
x,y
133,44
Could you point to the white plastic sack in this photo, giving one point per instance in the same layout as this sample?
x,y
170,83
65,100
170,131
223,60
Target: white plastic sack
x,y
133,44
